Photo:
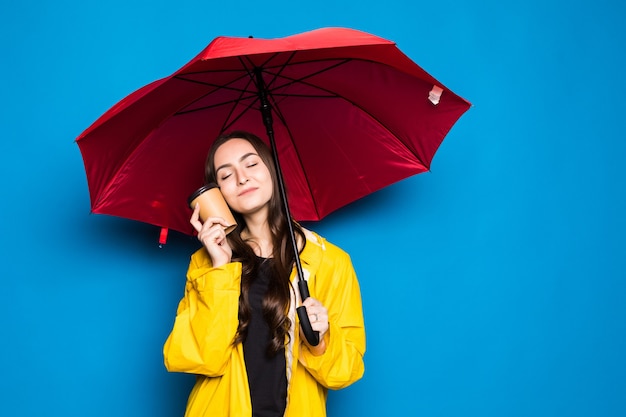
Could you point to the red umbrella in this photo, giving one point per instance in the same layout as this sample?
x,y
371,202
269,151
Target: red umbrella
x,y
346,113
351,114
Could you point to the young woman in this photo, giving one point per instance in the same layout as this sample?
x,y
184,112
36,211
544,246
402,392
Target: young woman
x,y
236,326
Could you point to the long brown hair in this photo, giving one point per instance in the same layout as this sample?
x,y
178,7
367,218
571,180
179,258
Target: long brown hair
x,y
276,301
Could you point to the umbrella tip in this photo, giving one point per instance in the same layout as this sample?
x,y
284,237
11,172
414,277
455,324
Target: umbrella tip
x,y
163,236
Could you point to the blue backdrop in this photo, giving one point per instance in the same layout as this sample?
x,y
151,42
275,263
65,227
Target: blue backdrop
x,y
492,285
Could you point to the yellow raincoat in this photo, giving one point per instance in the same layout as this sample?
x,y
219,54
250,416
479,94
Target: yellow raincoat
x,y
206,324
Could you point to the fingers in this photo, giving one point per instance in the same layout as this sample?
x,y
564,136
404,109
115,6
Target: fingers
x,y
195,218
213,238
318,314
211,233
311,302
199,226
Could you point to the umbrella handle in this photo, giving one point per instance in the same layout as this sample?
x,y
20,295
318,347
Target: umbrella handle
x,y
311,335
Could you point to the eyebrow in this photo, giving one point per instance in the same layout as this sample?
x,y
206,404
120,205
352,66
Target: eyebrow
x,y
240,159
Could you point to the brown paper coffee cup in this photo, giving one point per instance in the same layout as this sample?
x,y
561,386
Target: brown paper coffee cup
x,y
212,204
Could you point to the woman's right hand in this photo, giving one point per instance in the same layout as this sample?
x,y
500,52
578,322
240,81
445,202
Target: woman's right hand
x,y
211,234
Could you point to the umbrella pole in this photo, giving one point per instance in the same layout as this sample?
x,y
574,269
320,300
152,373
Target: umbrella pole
x,y
266,112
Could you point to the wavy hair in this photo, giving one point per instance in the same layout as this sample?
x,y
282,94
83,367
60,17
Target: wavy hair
x,y
277,299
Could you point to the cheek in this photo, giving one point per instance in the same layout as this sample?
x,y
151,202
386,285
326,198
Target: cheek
x,y
269,189
267,178
227,190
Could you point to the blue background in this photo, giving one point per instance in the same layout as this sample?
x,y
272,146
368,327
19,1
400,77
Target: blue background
x,y
493,285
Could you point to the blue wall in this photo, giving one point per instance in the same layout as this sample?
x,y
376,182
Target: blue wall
x,y
493,285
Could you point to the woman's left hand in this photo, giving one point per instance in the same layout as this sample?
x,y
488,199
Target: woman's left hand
x,y
318,316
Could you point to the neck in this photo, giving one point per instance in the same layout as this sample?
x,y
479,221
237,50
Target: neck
x,y
257,234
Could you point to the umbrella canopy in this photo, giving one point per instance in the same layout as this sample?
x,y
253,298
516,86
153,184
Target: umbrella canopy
x,y
351,114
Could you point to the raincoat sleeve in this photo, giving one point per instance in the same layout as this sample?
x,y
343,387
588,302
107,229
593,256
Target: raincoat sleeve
x,y
336,287
201,341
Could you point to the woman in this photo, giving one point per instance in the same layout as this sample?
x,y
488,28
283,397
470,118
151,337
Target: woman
x,y
236,326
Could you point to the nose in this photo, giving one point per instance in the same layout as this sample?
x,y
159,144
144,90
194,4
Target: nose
x,y
242,178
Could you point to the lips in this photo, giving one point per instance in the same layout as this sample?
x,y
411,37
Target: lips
x,y
246,191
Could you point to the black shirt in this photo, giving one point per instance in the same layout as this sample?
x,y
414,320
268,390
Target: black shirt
x,y
267,376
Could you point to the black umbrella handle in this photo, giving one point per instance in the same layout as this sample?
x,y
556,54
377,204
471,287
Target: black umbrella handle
x,y
311,335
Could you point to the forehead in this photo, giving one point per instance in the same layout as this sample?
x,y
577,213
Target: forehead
x,y
232,150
